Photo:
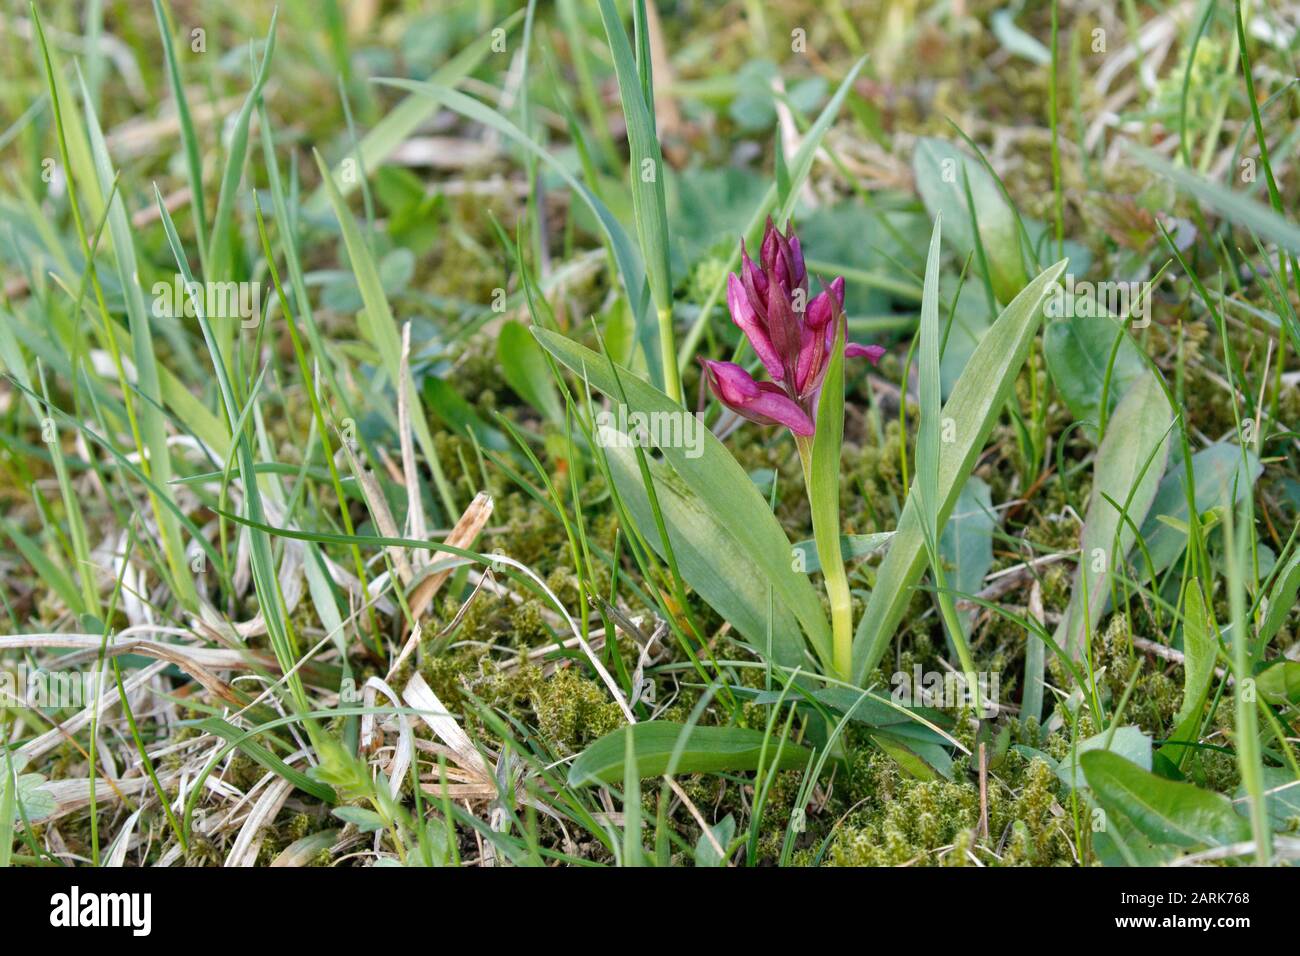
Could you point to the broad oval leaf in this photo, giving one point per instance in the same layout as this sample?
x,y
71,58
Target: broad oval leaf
x,y
1164,811
702,750
967,541
941,171
1280,682
708,556
1281,598
1077,351
852,547
523,364
1215,471
1281,795
1128,742
1127,470
717,480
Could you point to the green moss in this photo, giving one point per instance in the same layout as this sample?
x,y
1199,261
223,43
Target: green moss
x,y
915,822
572,711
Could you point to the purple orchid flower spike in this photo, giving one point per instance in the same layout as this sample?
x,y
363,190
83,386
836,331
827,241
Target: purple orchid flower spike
x,y
792,336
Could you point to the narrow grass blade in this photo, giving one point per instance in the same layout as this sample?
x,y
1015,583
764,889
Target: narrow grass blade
x,y
153,429
646,163
405,118
189,138
381,328
220,242
1233,206
631,270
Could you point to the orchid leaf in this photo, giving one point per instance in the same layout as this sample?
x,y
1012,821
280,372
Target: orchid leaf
x,y
1199,652
708,556
661,746
975,404
718,481
1215,471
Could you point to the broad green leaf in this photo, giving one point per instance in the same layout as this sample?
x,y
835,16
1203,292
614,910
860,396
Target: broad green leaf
x,y
823,480
1199,651
967,542
970,320
975,404
367,821
918,750
523,364
724,831
1127,470
871,709
716,479
927,438
1281,598
1122,844
1215,471
1281,795
1077,351
708,556
702,750
1165,811
1280,682
29,798
852,546
941,171
1017,41
1129,742
459,416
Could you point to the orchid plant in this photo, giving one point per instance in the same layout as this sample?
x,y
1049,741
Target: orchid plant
x,y
797,341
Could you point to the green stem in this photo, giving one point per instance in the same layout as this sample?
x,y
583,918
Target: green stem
x,y
952,621
672,376
827,536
